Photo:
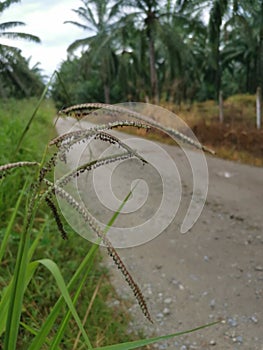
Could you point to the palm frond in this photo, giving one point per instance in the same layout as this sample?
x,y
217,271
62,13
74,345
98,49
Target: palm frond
x,y
17,35
78,43
5,4
91,17
80,25
85,14
13,24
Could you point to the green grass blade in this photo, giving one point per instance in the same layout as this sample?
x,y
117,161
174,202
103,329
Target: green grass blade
x,y
11,223
53,268
34,244
4,304
60,332
33,114
85,265
40,339
31,267
138,343
62,328
34,332
17,292
117,213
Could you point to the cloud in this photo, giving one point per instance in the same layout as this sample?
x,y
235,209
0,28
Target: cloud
x,y
46,20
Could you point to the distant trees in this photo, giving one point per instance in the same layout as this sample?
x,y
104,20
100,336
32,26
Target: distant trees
x,y
16,78
170,50
99,18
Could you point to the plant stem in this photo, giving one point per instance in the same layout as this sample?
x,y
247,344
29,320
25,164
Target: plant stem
x,y
16,299
19,278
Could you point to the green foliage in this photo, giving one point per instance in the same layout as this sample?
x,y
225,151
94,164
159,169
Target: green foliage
x,y
40,290
127,50
17,79
14,115
77,82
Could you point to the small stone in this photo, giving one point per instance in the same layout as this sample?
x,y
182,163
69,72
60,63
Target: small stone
x,y
212,342
166,311
159,315
183,347
258,268
192,347
167,300
206,258
212,303
254,319
232,322
238,339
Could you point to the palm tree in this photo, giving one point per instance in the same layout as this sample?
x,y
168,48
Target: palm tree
x,y
147,15
100,19
166,29
10,57
243,48
244,18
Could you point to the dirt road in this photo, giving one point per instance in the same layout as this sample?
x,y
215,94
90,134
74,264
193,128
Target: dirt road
x,y
213,271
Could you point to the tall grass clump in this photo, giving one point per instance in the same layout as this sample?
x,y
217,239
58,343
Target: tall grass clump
x,y
28,236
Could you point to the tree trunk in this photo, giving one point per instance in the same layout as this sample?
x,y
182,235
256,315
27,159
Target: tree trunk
x,y
260,55
258,108
106,93
221,110
154,83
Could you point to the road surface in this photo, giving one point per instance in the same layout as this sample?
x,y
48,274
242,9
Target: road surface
x,y
213,271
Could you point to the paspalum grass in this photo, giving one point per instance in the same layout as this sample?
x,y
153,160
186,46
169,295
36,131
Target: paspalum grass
x,y
42,190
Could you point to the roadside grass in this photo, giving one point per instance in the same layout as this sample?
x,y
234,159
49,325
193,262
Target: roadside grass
x,y
106,325
236,138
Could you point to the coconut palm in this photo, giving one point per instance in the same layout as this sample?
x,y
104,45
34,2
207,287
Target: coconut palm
x,y
146,14
10,57
6,26
242,44
99,18
235,29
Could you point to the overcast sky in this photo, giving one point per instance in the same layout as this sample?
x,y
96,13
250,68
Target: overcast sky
x,y
45,18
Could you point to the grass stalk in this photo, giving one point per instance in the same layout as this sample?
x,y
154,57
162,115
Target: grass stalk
x,y
85,267
88,312
11,223
17,291
42,97
144,342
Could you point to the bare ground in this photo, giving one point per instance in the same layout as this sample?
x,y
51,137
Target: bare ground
x,y
214,271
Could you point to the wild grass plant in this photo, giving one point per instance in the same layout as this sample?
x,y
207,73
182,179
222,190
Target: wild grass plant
x,y
21,326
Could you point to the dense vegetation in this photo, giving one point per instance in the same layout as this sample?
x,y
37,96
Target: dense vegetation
x,y
171,50
163,50
105,324
17,79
